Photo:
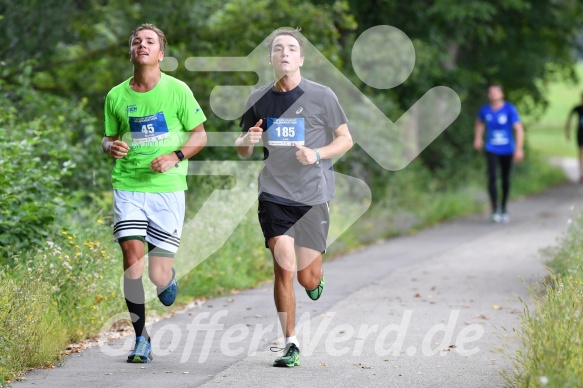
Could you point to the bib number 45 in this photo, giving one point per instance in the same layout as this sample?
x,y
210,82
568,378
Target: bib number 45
x,y
148,129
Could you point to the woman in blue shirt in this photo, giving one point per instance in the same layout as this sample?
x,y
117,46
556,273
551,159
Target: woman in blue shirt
x,y
503,145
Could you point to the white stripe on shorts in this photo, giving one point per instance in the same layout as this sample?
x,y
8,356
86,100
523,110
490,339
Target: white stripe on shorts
x,y
158,217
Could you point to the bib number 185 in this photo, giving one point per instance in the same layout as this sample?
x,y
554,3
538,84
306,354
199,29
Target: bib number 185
x,y
285,131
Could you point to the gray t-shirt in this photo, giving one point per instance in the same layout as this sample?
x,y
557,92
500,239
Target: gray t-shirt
x,y
308,115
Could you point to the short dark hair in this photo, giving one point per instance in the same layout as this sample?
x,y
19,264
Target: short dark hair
x,y
150,26
293,32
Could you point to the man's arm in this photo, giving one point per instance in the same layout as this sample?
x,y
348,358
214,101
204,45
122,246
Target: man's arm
x,y
196,142
342,142
519,138
245,143
479,135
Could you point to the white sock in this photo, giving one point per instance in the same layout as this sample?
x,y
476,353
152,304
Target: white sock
x,y
292,339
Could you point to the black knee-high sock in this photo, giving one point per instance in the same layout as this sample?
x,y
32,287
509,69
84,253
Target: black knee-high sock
x,y
135,298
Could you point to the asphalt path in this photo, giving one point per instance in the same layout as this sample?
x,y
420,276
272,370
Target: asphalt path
x,y
437,308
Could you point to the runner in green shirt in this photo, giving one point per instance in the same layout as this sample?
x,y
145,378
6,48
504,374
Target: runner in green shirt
x,y
152,124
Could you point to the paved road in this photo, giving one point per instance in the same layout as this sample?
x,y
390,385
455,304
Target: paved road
x,y
433,309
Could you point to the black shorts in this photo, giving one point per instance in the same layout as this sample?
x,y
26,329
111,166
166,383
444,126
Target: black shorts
x,y
308,225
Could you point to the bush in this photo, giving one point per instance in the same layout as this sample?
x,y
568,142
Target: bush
x,y
552,331
65,290
30,175
50,157
26,312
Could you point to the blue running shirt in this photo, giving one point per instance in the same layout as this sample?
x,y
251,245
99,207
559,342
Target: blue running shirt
x,y
499,128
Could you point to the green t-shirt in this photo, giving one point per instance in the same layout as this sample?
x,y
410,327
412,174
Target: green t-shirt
x,y
153,123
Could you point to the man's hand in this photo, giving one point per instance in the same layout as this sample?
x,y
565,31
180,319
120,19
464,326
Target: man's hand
x,y
254,135
118,149
518,155
306,155
164,162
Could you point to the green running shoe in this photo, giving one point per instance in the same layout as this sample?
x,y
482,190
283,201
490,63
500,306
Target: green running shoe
x,y
142,352
290,358
168,295
316,292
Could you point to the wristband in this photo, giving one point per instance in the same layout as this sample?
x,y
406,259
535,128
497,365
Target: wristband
x,y
108,148
317,156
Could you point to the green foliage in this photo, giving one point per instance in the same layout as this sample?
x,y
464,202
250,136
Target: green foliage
x,y
48,161
61,292
534,175
552,331
81,270
26,312
40,16
30,175
242,262
466,48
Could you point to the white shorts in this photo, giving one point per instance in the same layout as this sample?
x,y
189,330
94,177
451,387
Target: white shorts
x,y
158,217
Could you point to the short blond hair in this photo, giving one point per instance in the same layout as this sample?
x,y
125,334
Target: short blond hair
x,y
150,26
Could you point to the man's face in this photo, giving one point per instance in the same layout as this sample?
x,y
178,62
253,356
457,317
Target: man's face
x,y
495,94
286,57
145,48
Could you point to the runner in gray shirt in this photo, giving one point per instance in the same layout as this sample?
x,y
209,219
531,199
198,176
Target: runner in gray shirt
x,y
302,126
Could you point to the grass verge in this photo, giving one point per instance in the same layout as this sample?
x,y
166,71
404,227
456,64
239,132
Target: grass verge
x,y
60,293
552,331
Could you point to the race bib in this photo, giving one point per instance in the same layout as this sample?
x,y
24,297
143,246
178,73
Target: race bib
x,y
285,131
148,131
499,138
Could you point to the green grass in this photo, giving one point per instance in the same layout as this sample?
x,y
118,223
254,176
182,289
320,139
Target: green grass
x,y
62,292
546,134
552,332
242,262
26,311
